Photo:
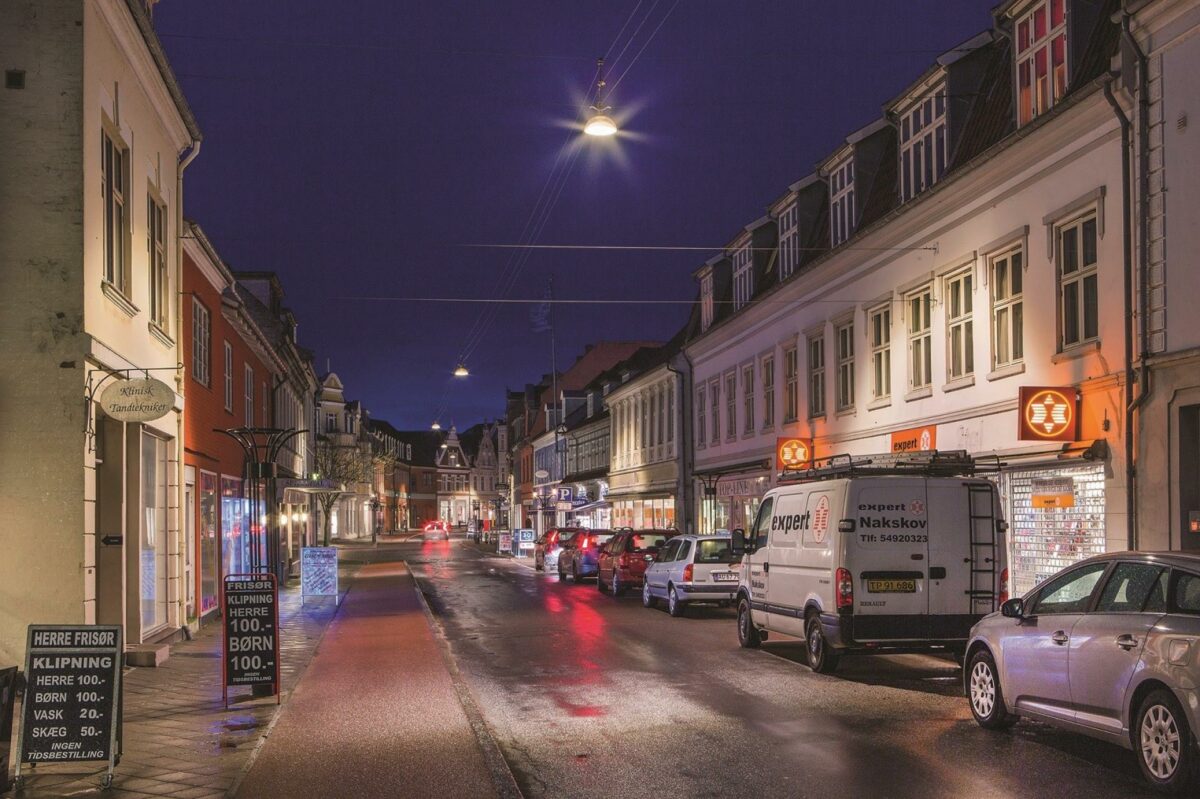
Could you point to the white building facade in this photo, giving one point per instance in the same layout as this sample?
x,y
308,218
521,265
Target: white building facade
x,y
995,265
643,483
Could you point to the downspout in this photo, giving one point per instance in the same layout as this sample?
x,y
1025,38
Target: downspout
x,y
1143,206
180,468
684,443
1126,238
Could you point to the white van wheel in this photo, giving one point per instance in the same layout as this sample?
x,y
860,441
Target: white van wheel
x,y
748,635
821,658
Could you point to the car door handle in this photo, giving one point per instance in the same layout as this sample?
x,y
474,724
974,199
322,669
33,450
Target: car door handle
x,y
1126,641
1060,637
766,567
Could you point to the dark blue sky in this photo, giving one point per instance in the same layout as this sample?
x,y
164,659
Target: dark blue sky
x,y
354,148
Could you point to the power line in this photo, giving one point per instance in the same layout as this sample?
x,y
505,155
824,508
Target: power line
x,y
646,44
606,301
679,248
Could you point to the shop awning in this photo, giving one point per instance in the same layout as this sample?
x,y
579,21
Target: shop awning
x,y
590,474
592,506
294,490
1088,450
760,465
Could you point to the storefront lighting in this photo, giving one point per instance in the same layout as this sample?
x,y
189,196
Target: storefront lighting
x,y
262,519
295,517
283,518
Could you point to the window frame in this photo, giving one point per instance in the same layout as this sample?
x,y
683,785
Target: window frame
x,y
1014,333
714,403
228,356
157,231
248,394
743,276
115,179
816,375
879,339
842,218
843,338
731,403
201,343
1078,277
789,241
706,300
958,293
923,128
1027,47
701,416
767,370
791,383
919,339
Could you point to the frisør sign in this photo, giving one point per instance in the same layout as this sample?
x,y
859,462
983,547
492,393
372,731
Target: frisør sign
x,y
251,654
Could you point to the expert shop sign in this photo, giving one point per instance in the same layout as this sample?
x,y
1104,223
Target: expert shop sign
x,y
251,630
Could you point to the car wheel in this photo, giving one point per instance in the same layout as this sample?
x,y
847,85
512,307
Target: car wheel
x,y
821,658
575,573
748,635
647,597
600,581
1163,741
674,606
618,587
983,692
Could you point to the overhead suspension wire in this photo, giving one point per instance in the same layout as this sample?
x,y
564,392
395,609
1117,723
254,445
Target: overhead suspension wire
x,y
614,301
644,46
684,248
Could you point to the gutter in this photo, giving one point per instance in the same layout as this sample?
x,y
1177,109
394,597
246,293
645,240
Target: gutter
x,y
686,506
1127,253
181,374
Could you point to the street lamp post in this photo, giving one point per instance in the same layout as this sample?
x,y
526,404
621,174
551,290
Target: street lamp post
x,y
376,520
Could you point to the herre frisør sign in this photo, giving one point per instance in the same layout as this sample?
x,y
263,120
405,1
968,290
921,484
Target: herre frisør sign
x,y
251,657
72,703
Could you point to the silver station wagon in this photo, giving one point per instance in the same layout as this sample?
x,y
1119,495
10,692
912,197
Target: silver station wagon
x,y
1110,648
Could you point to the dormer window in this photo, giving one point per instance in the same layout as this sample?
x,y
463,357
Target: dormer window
x,y
1041,42
923,143
706,306
743,276
789,242
841,201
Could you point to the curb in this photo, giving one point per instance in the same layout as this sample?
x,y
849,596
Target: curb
x,y
262,739
502,776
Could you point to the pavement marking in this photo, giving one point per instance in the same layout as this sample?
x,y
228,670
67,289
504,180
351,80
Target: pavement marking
x,y
502,775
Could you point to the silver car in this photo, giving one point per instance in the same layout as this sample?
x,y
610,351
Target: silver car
x,y
1110,648
691,568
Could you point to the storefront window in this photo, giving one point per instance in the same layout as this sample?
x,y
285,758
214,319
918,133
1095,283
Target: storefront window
x,y
153,538
235,531
207,532
1055,518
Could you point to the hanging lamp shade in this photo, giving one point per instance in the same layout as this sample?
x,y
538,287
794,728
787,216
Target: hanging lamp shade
x,y
435,426
600,125
461,370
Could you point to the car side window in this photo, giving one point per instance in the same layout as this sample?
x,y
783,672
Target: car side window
x,y
1131,588
762,524
667,553
685,547
1070,592
1186,594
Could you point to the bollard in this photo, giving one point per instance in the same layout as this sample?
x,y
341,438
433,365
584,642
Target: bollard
x,y
8,698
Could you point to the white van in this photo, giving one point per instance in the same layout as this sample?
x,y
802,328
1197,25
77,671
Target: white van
x,y
874,554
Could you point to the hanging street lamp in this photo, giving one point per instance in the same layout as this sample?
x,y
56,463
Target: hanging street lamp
x,y
461,370
600,123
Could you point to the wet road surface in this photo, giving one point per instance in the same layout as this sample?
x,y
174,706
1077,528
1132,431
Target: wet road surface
x,y
593,696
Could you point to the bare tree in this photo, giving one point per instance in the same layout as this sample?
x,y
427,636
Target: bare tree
x,y
343,466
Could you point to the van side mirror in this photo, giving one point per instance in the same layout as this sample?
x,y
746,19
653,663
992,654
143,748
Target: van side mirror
x,y
1013,608
737,542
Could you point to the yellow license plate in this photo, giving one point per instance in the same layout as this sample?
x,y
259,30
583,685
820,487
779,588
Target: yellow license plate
x,y
892,586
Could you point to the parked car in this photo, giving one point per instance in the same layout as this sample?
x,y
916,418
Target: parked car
x,y
867,556
546,548
622,561
436,529
1109,648
691,568
579,556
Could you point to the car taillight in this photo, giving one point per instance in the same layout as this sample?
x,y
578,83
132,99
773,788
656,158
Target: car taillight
x,y
586,542
845,589
623,560
687,573
1003,586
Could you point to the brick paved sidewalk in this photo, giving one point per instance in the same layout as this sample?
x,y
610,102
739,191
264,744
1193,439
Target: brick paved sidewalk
x,y
180,741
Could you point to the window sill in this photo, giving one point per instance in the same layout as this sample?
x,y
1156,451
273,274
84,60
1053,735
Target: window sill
x,y
119,299
850,411
1076,351
768,428
1008,370
749,434
161,335
816,417
882,402
919,394
959,383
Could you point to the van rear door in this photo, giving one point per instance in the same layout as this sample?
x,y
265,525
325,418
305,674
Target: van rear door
x,y
965,558
887,556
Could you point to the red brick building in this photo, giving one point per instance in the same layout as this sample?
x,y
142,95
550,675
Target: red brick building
x,y
230,370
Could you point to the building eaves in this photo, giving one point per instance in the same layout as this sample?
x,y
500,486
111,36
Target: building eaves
x,y
142,19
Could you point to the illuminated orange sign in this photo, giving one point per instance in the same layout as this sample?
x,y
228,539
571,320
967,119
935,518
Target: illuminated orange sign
x,y
918,439
1048,414
792,453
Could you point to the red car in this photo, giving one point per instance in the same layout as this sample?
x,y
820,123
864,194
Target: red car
x,y
436,529
624,557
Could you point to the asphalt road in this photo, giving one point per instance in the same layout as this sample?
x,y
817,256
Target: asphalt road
x,y
593,696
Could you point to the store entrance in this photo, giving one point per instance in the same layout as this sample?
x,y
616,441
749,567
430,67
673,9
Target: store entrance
x,y
1189,477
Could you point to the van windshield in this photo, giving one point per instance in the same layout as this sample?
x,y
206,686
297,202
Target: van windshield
x,y
714,551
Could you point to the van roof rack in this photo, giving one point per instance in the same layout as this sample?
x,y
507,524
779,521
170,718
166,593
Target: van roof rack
x,y
927,463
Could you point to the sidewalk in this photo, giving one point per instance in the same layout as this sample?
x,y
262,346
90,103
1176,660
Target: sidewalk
x,y
377,713
180,740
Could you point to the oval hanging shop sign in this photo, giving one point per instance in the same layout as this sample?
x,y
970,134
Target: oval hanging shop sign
x,y
141,400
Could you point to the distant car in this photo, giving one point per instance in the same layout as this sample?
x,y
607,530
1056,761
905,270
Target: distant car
x,y
580,558
623,560
1108,648
436,529
689,569
545,549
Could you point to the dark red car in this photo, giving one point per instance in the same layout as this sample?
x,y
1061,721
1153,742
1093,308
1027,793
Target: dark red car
x,y
623,558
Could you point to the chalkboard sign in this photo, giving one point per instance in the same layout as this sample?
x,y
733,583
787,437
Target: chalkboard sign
x,y
72,706
318,571
251,604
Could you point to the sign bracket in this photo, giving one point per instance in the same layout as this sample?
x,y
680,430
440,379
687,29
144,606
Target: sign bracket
x,y
89,428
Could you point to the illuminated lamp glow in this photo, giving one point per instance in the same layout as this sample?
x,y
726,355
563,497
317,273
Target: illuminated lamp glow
x,y
461,371
600,125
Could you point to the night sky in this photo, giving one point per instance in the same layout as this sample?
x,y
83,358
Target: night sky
x,y
357,148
